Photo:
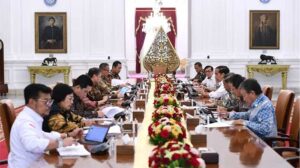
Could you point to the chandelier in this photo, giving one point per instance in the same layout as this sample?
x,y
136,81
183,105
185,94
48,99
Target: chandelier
x,y
156,20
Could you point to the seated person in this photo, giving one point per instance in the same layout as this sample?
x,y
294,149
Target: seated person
x,y
27,140
209,83
115,70
220,72
81,86
234,82
200,76
105,76
228,101
260,118
98,95
61,118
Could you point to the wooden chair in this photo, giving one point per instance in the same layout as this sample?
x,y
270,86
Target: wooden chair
x,y
7,118
283,109
268,91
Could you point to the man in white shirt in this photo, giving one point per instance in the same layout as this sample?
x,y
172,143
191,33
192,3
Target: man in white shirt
x,y
27,140
209,82
220,72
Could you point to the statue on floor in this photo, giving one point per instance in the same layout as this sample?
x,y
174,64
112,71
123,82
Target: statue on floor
x,y
265,59
50,61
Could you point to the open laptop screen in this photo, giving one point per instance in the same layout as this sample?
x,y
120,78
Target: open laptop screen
x,y
97,133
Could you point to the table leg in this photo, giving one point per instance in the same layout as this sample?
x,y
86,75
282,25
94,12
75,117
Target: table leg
x,y
250,74
32,77
284,80
66,78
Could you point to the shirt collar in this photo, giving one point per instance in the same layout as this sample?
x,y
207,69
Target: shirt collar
x,y
36,117
257,101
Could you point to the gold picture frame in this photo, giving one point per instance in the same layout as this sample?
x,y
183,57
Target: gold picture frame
x,y
50,32
264,29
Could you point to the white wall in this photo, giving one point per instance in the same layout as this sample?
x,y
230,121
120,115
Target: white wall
x,y
98,28
220,28
182,27
95,31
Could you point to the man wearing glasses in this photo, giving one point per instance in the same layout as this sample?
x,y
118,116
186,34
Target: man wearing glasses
x,y
27,140
105,76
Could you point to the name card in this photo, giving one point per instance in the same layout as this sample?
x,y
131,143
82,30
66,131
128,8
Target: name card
x,y
140,103
198,140
192,123
138,115
124,149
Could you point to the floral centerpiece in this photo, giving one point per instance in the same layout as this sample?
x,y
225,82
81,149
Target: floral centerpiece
x,y
175,154
165,130
167,111
164,88
165,100
162,78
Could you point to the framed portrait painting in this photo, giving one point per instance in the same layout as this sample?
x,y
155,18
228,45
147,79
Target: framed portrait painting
x,y
51,32
264,29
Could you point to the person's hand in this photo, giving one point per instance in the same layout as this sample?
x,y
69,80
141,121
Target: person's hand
x,y
238,122
63,135
100,114
223,115
221,109
68,141
76,133
88,122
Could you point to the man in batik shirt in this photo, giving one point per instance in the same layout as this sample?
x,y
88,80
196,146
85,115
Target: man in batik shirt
x,y
105,76
98,95
115,70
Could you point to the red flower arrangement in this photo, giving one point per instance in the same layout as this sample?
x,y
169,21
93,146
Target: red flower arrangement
x,y
165,130
167,111
175,154
162,78
165,100
164,88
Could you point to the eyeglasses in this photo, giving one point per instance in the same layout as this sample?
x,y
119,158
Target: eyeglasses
x,y
47,102
71,98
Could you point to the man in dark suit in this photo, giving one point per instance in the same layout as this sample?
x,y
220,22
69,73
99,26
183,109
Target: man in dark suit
x,y
265,35
51,36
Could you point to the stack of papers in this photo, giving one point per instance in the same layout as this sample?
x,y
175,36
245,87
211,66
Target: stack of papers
x,y
74,150
111,111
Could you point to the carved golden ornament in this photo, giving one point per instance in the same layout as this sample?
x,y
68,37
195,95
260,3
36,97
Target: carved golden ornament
x,y
268,70
161,53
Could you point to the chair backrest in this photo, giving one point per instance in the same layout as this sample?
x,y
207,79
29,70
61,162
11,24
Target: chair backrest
x,y
7,118
295,126
268,91
283,109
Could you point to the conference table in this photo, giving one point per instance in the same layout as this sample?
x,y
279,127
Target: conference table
x,y
237,146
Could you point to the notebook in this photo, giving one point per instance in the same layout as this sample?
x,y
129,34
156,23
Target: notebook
x,y
74,150
97,133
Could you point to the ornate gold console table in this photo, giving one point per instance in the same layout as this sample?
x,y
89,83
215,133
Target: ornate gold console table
x,y
49,71
269,70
